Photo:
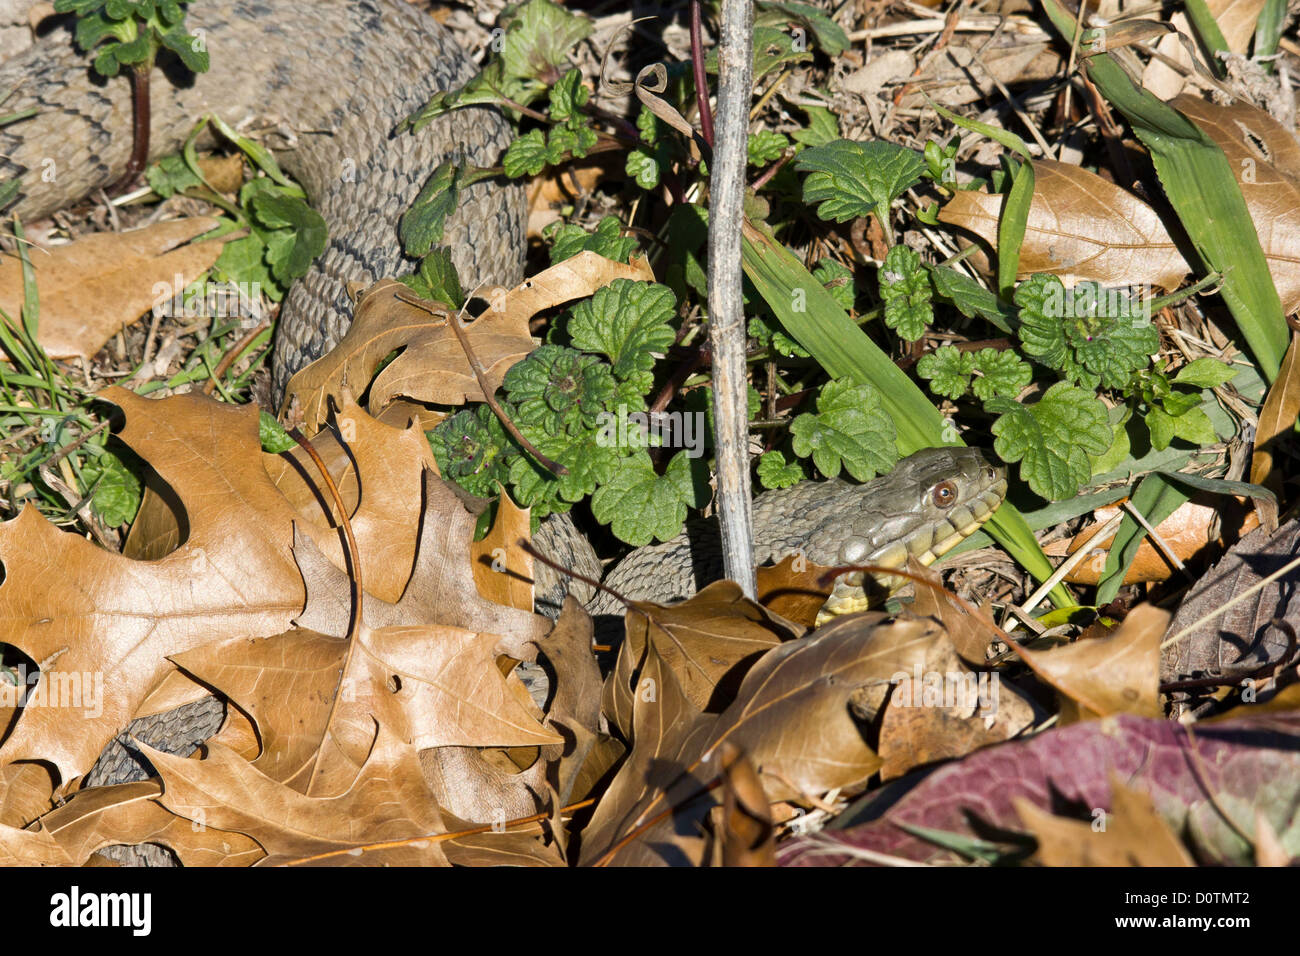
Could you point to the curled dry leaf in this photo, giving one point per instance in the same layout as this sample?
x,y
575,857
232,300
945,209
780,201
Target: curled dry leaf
x,y
129,813
943,709
1117,674
708,641
93,286
432,367
1187,531
744,819
1080,227
1277,417
1166,74
1245,638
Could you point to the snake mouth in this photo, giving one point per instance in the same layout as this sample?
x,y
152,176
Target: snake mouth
x,y
929,541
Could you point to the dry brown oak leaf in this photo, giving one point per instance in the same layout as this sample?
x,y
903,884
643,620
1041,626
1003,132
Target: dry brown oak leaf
x,y
791,715
386,801
432,367
425,665
1084,227
1080,227
76,609
94,286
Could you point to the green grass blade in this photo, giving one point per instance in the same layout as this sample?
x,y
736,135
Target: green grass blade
x,y
845,351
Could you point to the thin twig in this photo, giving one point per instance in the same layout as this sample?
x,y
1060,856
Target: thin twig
x,y
554,467
231,356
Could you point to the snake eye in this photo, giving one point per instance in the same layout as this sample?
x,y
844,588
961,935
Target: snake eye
x,y
944,494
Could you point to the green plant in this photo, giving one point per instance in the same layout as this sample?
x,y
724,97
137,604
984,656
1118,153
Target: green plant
x,y
131,33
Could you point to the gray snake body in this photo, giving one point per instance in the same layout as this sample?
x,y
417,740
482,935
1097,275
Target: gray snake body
x,y
345,74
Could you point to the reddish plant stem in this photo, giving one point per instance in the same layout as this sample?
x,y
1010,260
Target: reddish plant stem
x,y
701,77
140,124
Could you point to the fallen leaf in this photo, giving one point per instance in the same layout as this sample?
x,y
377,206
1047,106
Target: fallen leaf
x,y
77,609
1117,674
1080,227
1193,775
1243,639
1277,417
95,285
388,802
432,367
130,814
1132,833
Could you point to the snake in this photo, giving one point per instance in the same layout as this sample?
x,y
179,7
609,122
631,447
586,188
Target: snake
x,y
330,84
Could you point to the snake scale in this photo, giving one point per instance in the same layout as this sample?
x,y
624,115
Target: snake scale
x,y
333,80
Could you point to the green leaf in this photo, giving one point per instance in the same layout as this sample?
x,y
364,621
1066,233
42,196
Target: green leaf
x,y
823,127
1012,225
171,175
527,156
775,472
641,506
773,49
971,298
851,429
188,48
589,461
299,237
905,289
606,240
948,371
422,225
243,261
766,146
272,435
1205,372
557,388
1194,426
568,96
627,321
539,37
1091,334
117,489
851,179
1000,373
436,279
838,280
473,450
643,167
830,37
1052,438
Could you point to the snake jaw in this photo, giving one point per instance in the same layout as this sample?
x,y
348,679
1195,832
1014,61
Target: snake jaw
x,y
928,542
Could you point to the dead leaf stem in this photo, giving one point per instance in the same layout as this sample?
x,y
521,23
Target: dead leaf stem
x,y
453,320
354,559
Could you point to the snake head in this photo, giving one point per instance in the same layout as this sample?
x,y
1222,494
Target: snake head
x,y
930,502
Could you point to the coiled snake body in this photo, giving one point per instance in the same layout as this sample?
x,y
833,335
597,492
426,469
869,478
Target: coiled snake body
x,y
334,80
